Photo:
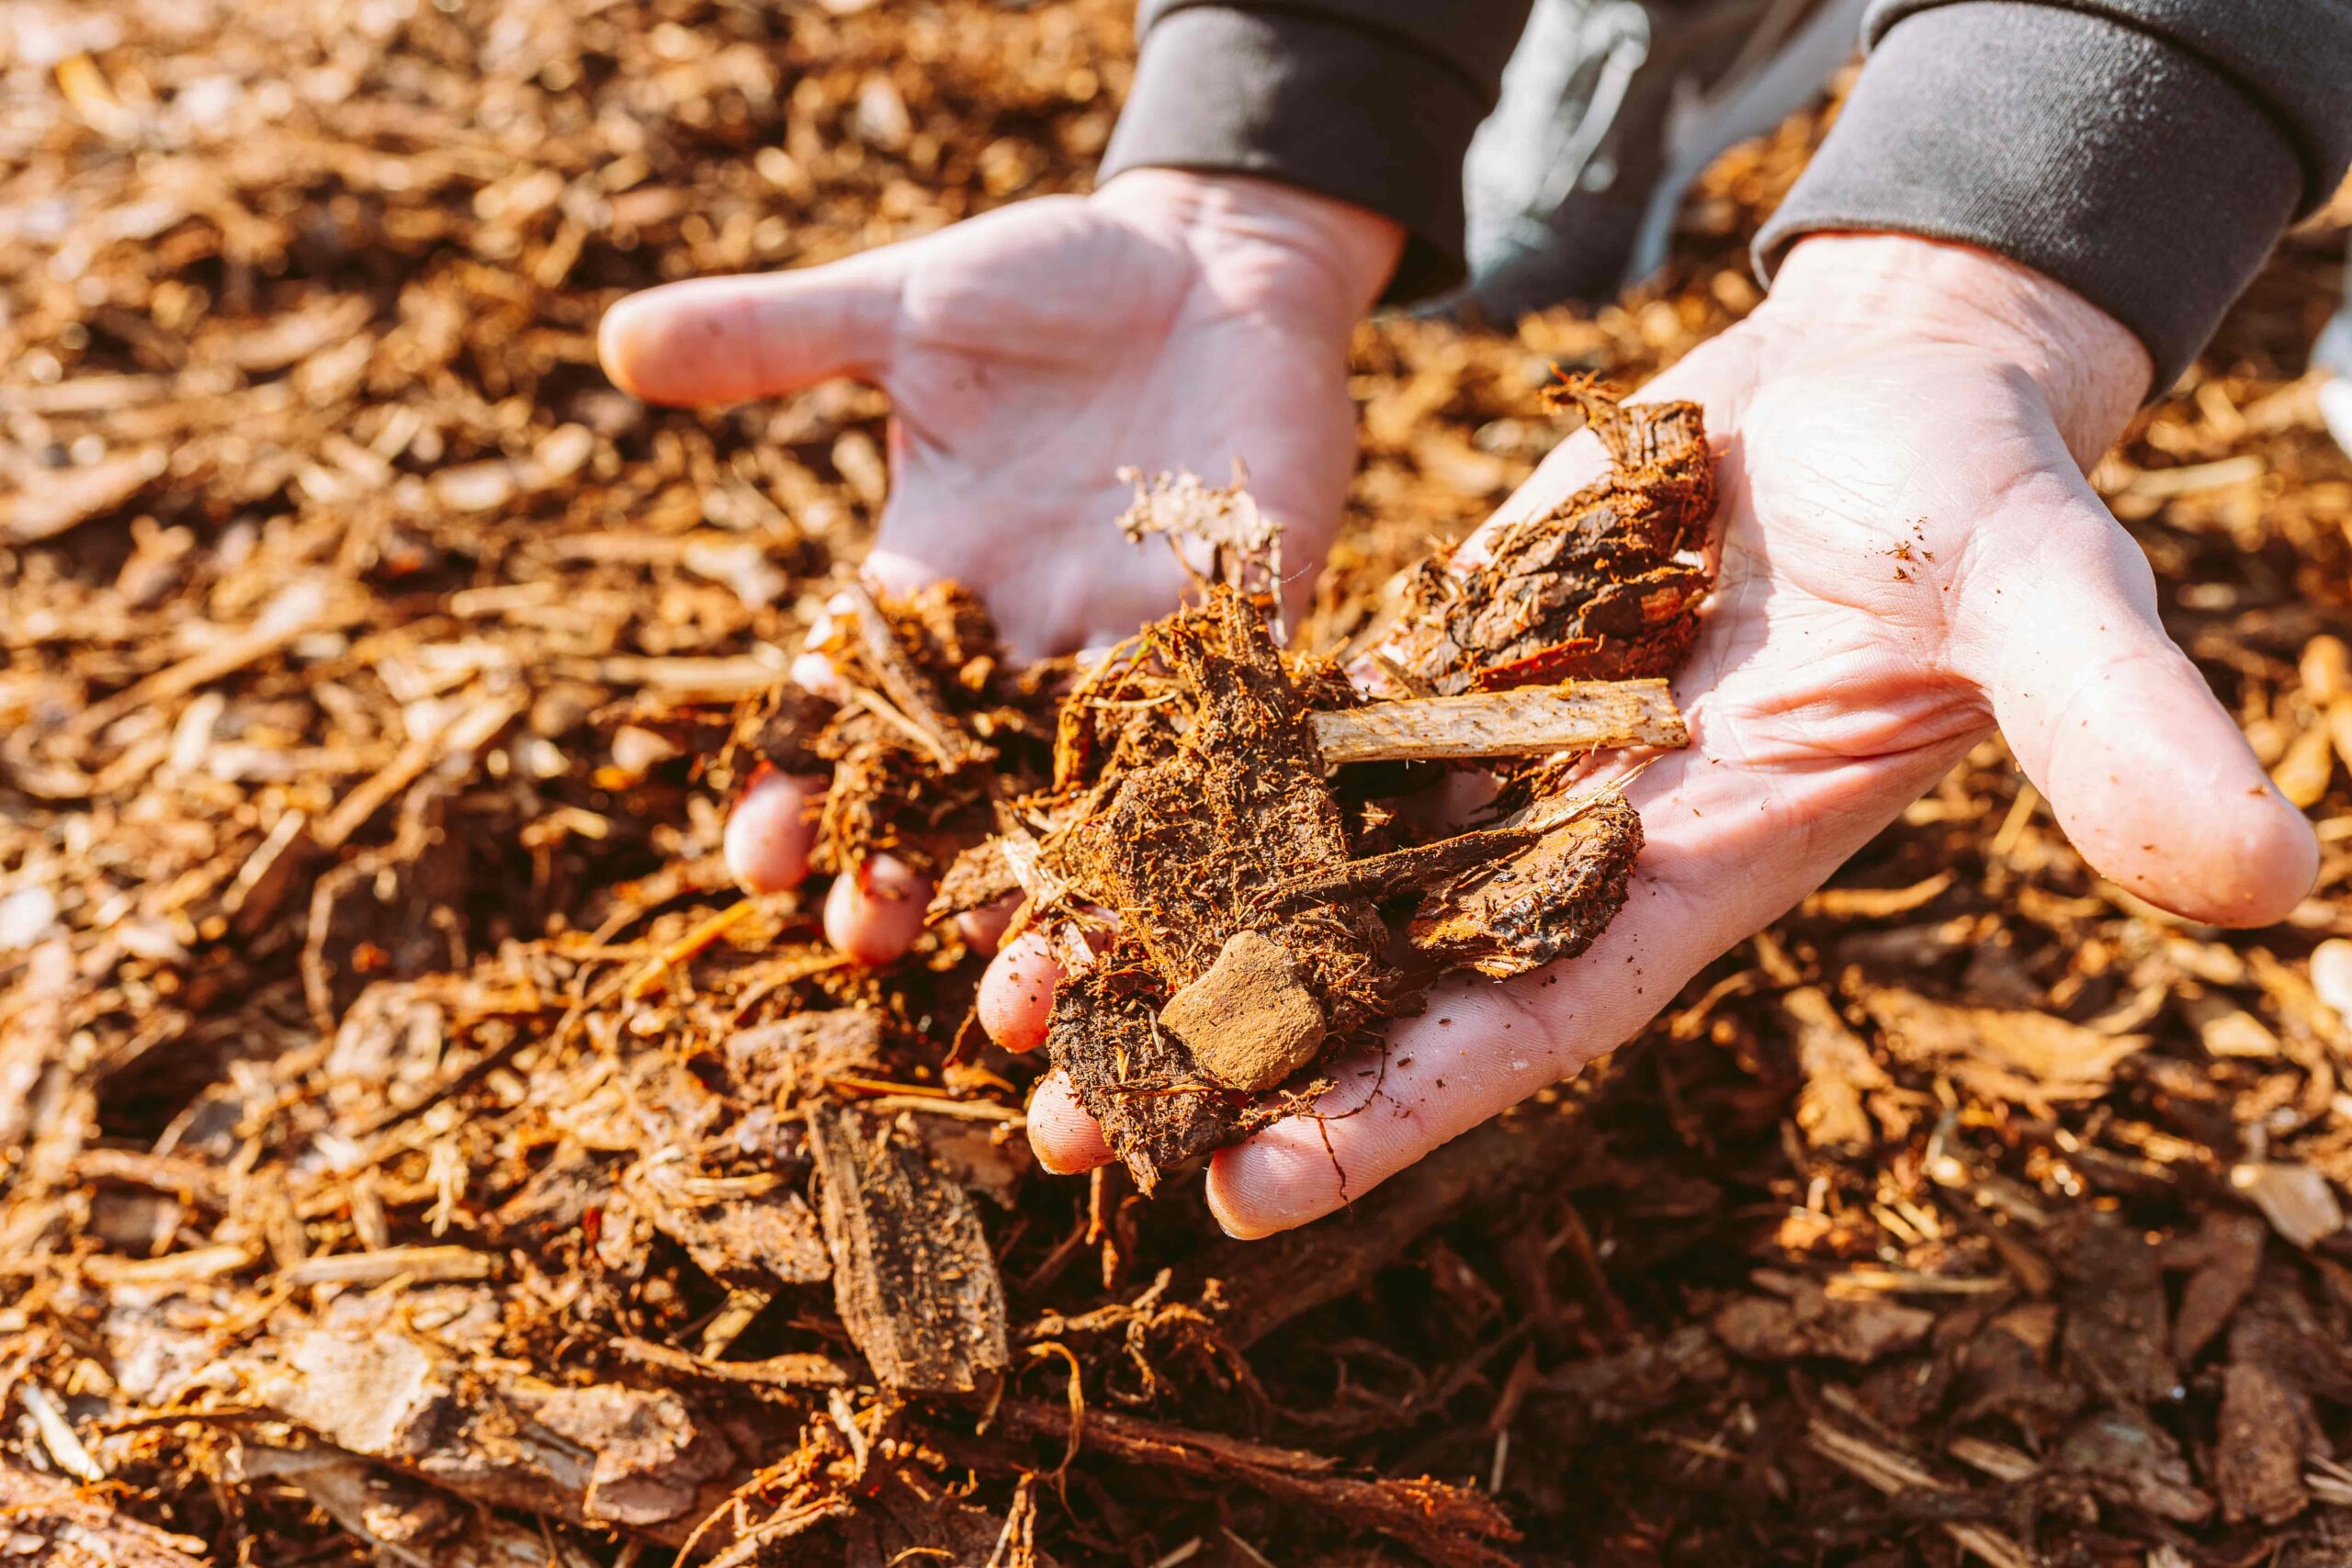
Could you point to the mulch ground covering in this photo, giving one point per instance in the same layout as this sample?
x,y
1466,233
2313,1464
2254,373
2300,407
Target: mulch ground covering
x,y
414,1151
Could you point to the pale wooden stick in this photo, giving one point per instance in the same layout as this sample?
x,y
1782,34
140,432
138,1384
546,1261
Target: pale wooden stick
x,y
1573,717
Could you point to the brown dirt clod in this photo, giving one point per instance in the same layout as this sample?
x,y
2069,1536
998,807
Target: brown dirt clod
x,y
1250,1021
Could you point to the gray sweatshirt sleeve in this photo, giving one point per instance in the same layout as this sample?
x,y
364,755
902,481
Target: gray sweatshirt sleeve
x,y
2147,154
2144,152
1373,101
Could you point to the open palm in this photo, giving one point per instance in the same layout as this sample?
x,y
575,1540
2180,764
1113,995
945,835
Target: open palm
x,y
1908,553
1168,321
1029,355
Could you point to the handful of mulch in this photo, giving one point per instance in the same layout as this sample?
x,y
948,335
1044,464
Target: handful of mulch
x,y
1216,849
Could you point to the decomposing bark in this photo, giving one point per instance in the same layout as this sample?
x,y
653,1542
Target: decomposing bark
x,y
403,1519
1547,901
1593,589
936,728
1178,851
592,1453
1202,795
912,1273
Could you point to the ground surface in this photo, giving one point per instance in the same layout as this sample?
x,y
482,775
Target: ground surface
x,y
390,1086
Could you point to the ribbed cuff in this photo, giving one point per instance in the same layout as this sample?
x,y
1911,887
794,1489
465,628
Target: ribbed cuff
x,y
2095,153
1345,111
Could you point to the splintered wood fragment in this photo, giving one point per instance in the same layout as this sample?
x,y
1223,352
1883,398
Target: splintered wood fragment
x,y
1451,1525
797,1369
188,1268
400,1518
679,677
268,873
49,1519
1890,1472
57,1433
299,609
913,1276
420,1264
61,501
1574,716
689,947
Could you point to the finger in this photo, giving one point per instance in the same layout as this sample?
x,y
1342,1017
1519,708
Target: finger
x,y
1729,849
983,929
1066,1140
1016,999
814,673
2145,771
726,340
771,831
874,915
1480,1048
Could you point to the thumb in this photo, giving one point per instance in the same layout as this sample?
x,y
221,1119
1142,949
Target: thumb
x,y
2146,771
729,339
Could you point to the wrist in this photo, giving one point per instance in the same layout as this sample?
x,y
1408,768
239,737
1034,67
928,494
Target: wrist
x,y
1317,248
2091,370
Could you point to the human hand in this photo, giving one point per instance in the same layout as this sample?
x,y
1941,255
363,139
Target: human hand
x,y
1908,555
1168,321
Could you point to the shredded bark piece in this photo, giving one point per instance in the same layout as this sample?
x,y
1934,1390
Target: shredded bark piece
x,y
1592,589
1548,901
1198,780
1179,853
936,729
914,1277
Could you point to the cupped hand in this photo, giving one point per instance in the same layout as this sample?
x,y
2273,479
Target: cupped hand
x,y
1170,320
1909,555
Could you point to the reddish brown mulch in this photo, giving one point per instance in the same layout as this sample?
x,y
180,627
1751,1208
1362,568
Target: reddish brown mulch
x,y
412,1151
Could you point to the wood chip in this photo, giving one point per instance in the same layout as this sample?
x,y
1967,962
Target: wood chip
x,y
1576,716
2297,1199
914,1277
420,1265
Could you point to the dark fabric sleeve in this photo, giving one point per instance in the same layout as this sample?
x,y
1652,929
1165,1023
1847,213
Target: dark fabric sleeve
x,y
2147,154
1372,101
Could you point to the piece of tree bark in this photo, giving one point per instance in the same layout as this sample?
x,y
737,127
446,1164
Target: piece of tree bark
x,y
1572,717
48,1520
594,1454
913,1276
401,1519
